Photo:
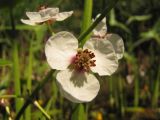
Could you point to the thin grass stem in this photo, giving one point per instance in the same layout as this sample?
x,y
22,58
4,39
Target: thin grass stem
x,y
42,110
136,88
29,80
156,90
47,78
16,73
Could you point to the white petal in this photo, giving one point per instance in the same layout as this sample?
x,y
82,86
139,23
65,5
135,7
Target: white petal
x,y
78,87
101,28
117,43
63,15
50,11
42,15
34,16
38,17
106,60
60,50
28,22
67,95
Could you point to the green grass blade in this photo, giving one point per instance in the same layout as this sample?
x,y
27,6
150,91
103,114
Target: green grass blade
x,y
29,80
4,62
156,90
136,88
79,113
87,17
16,74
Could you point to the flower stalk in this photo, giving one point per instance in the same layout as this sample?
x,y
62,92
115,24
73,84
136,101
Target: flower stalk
x,y
50,28
42,110
87,17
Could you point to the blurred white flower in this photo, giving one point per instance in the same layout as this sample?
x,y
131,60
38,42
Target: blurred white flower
x,y
130,78
46,15
75,79
100,32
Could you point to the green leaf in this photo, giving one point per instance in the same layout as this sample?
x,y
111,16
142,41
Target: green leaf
x,y
138,18
153,33
114,22
5,62
79,113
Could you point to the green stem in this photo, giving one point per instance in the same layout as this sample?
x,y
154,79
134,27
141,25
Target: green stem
x,y
140,110
4,57
42,110
50,28
12,22
29,80
79,112
34,93
134,109
8,96
156,90
121,96
136,89
16,72
87,17
87,107
8,112
94,24
111,91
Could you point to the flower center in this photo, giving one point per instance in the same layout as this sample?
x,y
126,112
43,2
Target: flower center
x,y
83,60
44,14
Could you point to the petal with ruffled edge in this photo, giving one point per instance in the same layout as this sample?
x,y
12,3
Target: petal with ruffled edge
x,y
38,17
34,16
28,22
101,28
60,50
106,60
62,16
78,87
117,43
49,11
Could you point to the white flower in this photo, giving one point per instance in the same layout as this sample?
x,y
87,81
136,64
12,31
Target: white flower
x,y
130,78
75,79
44,15
100,32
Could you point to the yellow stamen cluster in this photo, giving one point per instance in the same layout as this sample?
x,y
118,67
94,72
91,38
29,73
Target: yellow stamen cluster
x,y
83,60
